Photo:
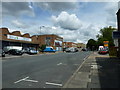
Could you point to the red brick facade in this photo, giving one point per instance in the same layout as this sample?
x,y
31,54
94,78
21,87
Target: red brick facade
x,y
49,40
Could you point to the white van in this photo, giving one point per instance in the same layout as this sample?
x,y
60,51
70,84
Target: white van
x,y
7,48
100,48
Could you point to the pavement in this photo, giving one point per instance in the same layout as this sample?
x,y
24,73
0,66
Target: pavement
x,y
97,71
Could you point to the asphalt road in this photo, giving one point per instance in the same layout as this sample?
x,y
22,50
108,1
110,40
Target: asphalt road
x,y
41,71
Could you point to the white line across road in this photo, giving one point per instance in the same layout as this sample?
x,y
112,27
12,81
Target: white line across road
x,y
21,80
25,79
54,84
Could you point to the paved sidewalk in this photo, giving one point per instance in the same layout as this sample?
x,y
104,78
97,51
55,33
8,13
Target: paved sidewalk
x,y
97,71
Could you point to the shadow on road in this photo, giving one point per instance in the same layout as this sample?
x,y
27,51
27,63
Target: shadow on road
x,y
109,72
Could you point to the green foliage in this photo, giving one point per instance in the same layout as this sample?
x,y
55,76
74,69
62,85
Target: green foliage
x,y
106,35
112,51
91,44
41,48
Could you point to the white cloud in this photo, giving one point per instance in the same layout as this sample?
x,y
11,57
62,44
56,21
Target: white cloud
x,y
19,24
67,25
57,6
80,36
67,21
111,10
17,8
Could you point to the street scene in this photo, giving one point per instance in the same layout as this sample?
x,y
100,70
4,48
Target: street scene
x,y
68,44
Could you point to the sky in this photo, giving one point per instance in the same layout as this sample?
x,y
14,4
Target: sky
x,y
74,21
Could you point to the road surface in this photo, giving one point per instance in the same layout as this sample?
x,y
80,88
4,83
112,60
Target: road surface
x,y
40,71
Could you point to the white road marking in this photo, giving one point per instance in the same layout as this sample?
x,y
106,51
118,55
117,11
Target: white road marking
x,y
59,64
96,66
21,80
30,80
25,79
53,84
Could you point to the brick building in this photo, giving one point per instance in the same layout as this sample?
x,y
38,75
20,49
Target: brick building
x,y
51,40
69,44
17,39
81,45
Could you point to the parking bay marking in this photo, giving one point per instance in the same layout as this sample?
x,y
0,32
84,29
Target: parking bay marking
x,y
25,79
21,80
54,84
60,64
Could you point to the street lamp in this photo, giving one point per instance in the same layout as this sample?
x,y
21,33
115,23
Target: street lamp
x,y
41,33
41,29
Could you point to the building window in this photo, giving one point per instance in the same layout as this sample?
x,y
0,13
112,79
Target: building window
x,y
5,34
47,41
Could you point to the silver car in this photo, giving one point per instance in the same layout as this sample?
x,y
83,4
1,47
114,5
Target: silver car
x,y
72,49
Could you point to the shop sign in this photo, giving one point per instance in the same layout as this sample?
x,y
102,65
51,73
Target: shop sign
x,y
18,38
116,35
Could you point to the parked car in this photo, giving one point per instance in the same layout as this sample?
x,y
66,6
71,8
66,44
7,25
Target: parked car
x,y
32,51
2,53
26,50
84,49
64,49
7,48
15,52
103,51
72,49
49,49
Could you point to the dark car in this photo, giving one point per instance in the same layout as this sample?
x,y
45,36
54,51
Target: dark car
x,y
15,52
2,53
84,49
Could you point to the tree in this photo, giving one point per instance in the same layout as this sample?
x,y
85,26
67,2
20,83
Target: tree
x,y
91,44
105,35
42,47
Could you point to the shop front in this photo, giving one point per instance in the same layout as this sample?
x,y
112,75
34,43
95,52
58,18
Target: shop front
x,y
16,39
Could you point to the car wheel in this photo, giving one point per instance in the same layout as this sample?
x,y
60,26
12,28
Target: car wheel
x,y
3,55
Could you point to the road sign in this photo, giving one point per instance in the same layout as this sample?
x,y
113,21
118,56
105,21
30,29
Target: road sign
x,y
116,34
106,45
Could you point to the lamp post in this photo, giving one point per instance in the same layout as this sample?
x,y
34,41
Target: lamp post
x,y
41,29
41,34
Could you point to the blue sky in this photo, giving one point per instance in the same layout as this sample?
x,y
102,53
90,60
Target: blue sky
x,y
74,21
